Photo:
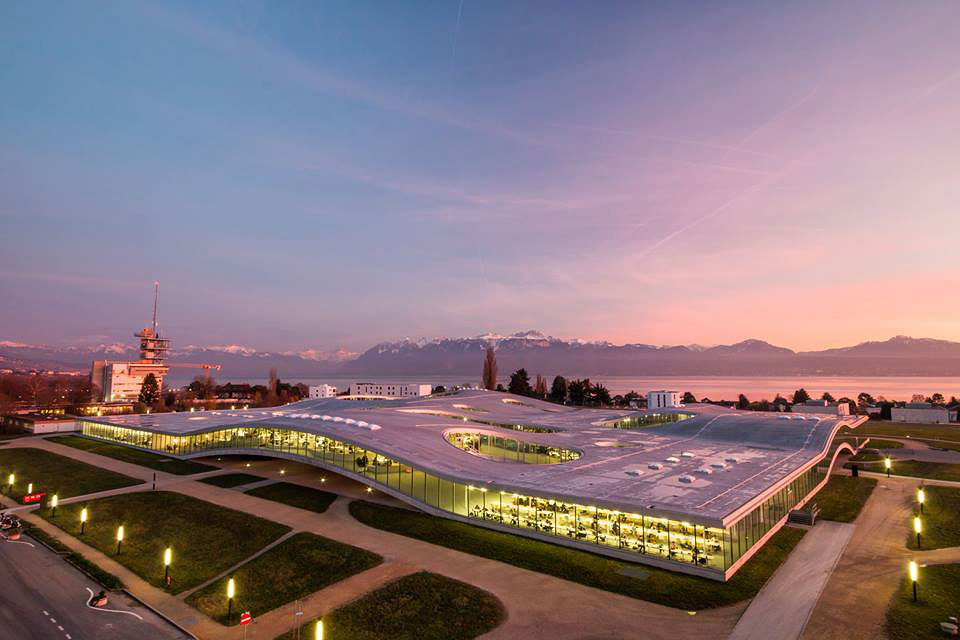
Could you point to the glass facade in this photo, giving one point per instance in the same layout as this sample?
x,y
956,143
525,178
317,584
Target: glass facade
x,y
509,449
647,420
645,535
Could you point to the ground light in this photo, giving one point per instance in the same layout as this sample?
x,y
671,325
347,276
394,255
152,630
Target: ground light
x,y
53,504
231,591
167,557
119,538
921,497
918,527
318,635
886,464
913,578
83,520
10,481
29,488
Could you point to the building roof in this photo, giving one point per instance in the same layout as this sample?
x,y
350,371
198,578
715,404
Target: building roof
x,y
734,458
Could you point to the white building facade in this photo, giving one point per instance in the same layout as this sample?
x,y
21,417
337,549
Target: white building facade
x,y
391,390
923,413
122,381
322,391
663,399
822,406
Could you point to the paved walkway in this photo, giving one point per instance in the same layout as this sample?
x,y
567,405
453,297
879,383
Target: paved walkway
x,y
783,606
854,602
537,605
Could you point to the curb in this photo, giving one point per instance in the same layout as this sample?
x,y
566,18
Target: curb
x,y
161,615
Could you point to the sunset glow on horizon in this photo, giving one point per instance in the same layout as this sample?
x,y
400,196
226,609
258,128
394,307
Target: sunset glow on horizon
x,y
330,176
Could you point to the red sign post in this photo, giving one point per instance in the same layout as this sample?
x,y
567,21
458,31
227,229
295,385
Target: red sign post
x,y
245,617
32,498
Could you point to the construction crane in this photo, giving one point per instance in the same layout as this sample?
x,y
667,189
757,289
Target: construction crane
x,y
189,365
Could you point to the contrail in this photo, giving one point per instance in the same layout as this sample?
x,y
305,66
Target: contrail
x,y
456,35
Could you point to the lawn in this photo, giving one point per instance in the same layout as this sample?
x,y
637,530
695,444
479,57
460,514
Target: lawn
x,y
420,606
843,497
657,585
879,443
902,430
295,495
938,594
53,474
228,480
134,456
929,470
295,568
207,539
941,512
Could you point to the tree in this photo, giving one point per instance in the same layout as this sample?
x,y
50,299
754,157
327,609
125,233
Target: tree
x,y
827,396
800,395
936,398
520,383
439,389
558,390
540,387
579,391
150,390
599,395
631,396
490,370
688,398
865,400
500,388
742,402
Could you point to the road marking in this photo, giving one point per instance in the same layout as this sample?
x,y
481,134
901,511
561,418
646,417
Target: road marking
x,y
45,613
21,542
90,606
59,627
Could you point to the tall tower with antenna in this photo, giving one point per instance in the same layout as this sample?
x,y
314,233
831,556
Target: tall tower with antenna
x,y
153,348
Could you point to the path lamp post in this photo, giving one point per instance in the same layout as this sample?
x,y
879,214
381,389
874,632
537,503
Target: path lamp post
x,y
231,591
10,481
119,538
318,635
886,465
83,520
921,498
29,488
913,578
917,527
53,505
167,557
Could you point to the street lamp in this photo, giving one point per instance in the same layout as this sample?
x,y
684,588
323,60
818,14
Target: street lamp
x,y
167,557
918,527
53,504
83,520
921,497
29,488
119,538
886,464
231,590
319,632
10,482
913,578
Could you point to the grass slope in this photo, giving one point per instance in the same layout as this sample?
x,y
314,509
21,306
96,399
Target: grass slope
x,y
207,539
941,512
421,606
843,497
54,474
660,586
295,568
938,595
228,480
902,430
133,456
295,495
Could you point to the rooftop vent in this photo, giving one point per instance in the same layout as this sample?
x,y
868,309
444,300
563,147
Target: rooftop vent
x,y
686,454
730,460
686,479
704,471
719,465
673,459
655,465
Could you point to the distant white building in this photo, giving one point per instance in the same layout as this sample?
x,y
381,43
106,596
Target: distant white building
x,y
412,390
663,399
923,412
822,406
322,391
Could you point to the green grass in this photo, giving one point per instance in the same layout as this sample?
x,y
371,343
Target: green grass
x,y
105,578
295,568
207,539
53,474
902,430
843,497
866,457
228,480
663,587
295,495
879,443
134,456
938,594
420,606
42,536
941,512
929,470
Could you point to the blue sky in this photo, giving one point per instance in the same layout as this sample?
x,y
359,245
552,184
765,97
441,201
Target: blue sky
x,y
306,174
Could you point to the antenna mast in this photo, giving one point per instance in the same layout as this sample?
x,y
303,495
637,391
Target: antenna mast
x,y
156,293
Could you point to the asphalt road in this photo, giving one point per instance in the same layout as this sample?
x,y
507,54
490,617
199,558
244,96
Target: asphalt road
x,y
42,597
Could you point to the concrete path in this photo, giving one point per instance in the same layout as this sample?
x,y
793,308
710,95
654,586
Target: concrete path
x,y
537,605
783,606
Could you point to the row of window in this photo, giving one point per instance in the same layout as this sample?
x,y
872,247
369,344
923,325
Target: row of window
x,y
643,534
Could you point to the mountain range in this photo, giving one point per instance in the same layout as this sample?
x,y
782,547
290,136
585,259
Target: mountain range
x,y
538,353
